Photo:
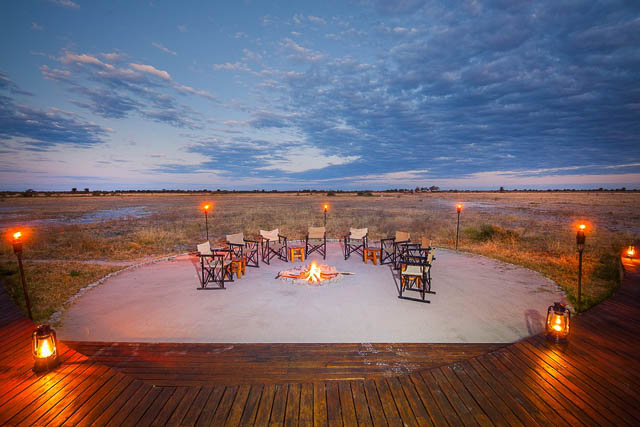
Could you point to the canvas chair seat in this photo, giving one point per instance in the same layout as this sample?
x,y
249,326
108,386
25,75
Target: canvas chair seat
x,y
315,234
243,249
215,266
416,272
270,235
358,233
273,244
355,241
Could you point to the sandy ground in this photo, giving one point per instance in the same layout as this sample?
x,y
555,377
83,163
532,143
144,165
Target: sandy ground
x,y
477,300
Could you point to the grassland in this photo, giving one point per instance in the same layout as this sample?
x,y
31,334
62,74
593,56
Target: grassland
x,y
535,230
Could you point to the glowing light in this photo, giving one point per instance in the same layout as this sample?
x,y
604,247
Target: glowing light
x,y
314,274
325,207
558,317
631,251
459,207
17,235
45,349
582,227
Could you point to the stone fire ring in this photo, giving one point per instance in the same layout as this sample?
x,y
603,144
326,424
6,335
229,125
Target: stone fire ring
x,y
477,300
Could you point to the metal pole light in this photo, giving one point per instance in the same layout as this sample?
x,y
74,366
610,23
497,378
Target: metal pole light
x,y
17,249
325,208
459,209
580,240
206,208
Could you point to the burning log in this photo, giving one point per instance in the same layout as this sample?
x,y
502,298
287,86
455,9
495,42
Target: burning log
x,y
313,273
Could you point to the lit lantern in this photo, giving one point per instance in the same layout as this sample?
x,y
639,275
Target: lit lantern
x,y
580,237
44,349
459,207
325,207
17,241
631,251
558,318
206,208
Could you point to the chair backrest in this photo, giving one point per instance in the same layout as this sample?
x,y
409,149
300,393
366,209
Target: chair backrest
x,y
204,248
236,239
270,235
425,242
316,232
402,236
358,233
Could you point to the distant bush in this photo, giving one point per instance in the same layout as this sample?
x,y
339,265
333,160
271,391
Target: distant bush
x,y
365,193
331,193
488,232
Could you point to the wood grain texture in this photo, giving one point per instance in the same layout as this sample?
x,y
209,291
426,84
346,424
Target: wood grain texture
x,y
592,379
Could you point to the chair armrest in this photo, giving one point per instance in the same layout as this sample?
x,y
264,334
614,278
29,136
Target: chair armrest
x,y
281,238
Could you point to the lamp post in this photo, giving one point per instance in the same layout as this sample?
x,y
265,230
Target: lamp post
x,y
17,249
459,209
580,240
206,208
325,208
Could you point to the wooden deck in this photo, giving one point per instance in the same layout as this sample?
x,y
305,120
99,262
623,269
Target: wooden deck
x,y
595,379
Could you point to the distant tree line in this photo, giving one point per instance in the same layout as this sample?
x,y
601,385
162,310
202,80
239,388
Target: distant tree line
x,y
433,189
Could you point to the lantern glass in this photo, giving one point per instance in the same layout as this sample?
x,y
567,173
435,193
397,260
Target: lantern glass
x,y
631,251
558,319
44,348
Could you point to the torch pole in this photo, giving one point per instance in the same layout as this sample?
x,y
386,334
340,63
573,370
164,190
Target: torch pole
x,y
457,230
24,284
325,219
579,279
206,221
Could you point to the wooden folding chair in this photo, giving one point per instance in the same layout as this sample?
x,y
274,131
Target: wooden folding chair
x,y
243,249
215,266
355,241
415,274
273,244
316,241
389,247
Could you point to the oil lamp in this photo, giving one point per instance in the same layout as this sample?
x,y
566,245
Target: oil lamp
x,y
558,319
45,352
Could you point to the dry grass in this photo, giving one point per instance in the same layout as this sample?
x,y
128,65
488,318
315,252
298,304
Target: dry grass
x,y
49,284
535,230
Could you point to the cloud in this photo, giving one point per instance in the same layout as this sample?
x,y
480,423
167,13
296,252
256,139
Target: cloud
x,y
39,130
36,27
302,158
297,53
164,49
316,19
150,69
65,3
236,66
112,56
11,87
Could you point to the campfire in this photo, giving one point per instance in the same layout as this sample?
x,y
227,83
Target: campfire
x,y
311,274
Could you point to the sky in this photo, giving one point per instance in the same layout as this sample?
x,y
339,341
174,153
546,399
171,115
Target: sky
x,y
288,95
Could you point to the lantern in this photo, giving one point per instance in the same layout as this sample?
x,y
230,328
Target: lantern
x,y
459,207
631,251
325,208
17,241
206,208
558,318
580,237
44,349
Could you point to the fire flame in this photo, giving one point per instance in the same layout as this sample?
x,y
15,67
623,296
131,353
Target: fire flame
x,y
45,350
631,251
313,274
17,235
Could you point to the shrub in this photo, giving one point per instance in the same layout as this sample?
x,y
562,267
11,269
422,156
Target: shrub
x,y
489,232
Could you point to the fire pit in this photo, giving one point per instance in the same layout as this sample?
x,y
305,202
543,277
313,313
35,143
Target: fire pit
x,y
312,274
